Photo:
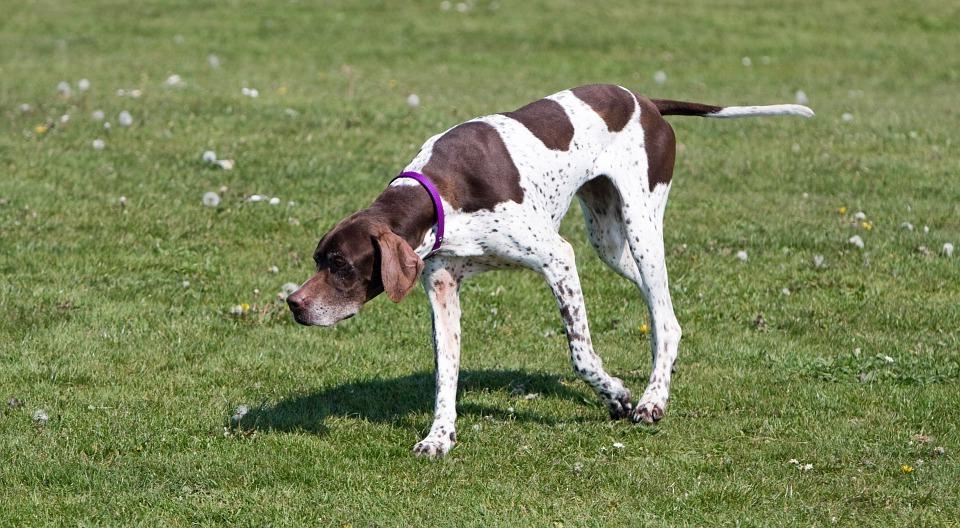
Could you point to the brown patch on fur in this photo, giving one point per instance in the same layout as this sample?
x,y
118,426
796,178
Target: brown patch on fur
x,y
659,141
399,265
472,168
612,103
668,107
546,120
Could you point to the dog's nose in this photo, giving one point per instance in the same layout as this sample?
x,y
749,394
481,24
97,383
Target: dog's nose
x,y
295,300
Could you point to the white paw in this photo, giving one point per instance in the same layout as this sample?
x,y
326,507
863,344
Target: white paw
x,y
435,446
651,407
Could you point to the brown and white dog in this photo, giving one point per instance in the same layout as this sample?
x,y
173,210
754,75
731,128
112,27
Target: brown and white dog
x,y
505,182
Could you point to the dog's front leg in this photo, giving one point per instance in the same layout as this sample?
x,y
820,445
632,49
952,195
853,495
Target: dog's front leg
x,y
441,280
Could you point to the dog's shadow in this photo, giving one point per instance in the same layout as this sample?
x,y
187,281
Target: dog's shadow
x,y
393,401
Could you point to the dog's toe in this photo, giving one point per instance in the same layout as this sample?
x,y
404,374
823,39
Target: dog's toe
x,y
620,407
432,448
648,414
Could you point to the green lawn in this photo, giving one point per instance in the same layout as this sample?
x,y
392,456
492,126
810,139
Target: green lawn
x,y
139,371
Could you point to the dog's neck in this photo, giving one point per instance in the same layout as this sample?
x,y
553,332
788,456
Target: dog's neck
x,y
407,210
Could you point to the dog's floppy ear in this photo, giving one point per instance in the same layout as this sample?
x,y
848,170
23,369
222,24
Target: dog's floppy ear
x,y
399,265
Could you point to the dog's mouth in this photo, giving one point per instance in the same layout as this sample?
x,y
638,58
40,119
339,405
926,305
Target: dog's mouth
x,y
303,317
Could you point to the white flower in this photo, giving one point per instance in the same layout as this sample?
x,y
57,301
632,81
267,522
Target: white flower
x,y
226,164
106,126
25,107
274,201
462,7
793,461
250,92
618,445
213,61
135,93
846,117
888,359
801,97
40,417
63,88
97,115
907,225
859,215
125,119
807,467
445,5
291,112
99,144
660,77
185,284
948,249
413,100
241,410
746,61
65,118
926,229
122,201
742,255
211,199
236,310
274,269
287,289
856,241
175,81
818,261
209,156
785,291
83,85
255,198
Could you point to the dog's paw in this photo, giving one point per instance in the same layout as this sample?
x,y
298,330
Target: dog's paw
x,y
435,446
616,397
650,409
619,405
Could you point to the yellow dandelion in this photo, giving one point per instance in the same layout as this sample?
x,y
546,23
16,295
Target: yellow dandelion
x,y
906,468
245,307
644,329
842,210
866,224
41,129
392,83
282,90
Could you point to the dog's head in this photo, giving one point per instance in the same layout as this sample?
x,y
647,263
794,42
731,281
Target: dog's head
x,y
356,261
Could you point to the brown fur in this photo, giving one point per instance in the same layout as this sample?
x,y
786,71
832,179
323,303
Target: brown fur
x,y
612,103
399,265
472,168
659,142
546,120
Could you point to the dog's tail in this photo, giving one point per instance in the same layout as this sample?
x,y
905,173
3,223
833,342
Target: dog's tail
x,y
668,107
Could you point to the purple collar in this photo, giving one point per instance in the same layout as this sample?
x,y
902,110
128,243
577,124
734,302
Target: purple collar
x,y
437,204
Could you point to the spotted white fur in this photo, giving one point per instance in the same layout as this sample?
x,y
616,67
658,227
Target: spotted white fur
x,y
625,222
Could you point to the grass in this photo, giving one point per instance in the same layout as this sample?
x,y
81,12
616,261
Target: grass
x,y
140,375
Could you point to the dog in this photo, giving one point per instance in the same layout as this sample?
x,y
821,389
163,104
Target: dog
x,y
490,193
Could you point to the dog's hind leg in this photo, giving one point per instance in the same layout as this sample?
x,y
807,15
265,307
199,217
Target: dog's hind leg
x,y
637,181
644,231
602,212
441,279
560,270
